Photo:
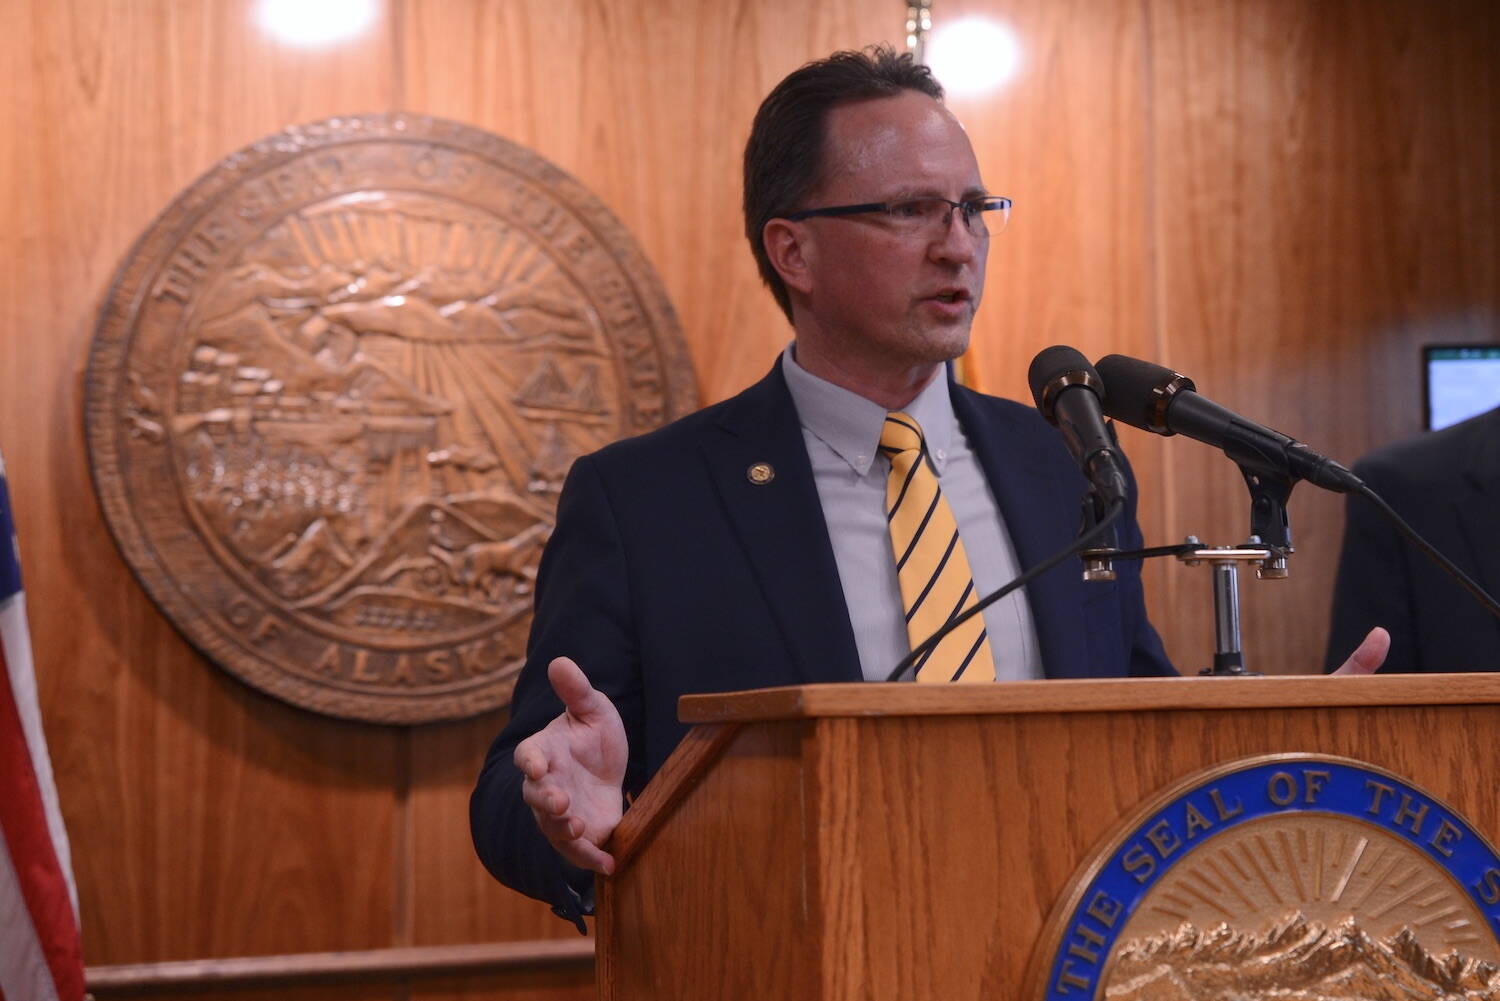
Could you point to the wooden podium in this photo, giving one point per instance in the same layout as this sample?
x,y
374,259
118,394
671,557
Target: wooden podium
x,y
908,841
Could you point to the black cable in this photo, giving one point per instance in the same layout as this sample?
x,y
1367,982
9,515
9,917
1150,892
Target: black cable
x,y
1469,585
1081,543
1176,549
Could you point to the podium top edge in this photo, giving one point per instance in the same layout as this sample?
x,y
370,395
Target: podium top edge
x,y
866,699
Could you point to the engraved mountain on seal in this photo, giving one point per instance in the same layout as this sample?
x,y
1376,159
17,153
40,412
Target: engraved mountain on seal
x,y
1294,960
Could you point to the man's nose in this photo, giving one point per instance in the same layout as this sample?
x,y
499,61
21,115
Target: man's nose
x,y
957,243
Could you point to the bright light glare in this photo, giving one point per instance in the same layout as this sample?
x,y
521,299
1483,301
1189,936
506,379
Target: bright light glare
x,y
973,55
315,22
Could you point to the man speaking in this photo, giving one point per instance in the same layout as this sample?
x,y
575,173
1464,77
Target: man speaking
x,y
817,526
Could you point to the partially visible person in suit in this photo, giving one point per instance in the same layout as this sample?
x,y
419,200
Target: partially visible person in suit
x,y
1446,484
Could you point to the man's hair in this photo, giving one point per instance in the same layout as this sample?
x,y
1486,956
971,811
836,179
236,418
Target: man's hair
x,y
784,155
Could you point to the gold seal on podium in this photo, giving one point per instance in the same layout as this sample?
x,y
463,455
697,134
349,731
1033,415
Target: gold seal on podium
x,y
1287,877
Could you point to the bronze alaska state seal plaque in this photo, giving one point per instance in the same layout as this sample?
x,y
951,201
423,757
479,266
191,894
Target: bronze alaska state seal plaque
x,y
334,392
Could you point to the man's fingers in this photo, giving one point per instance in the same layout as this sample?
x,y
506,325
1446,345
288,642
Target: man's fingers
x,y
572,686
1369,655
587,855
530,759
547,799
565,832
558,829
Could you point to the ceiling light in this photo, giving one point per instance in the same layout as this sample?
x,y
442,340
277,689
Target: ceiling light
x,y
973,55
314,23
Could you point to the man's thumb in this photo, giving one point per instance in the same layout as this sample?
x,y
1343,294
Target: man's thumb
x,y
571,685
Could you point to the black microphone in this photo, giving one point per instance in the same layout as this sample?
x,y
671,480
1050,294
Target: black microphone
x,y
1070,394
1158,399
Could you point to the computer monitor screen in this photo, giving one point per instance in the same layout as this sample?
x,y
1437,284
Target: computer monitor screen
x,y
1462,380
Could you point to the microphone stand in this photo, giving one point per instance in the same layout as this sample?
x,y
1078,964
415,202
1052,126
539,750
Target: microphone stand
x,y
1268,546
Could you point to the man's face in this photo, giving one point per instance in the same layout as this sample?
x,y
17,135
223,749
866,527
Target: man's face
x,y
878,294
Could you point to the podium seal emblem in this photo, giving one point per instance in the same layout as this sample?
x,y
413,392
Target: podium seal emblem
x,y
1290,877
334,392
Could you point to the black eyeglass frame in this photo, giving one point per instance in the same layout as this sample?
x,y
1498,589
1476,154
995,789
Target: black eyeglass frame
x,y
987,203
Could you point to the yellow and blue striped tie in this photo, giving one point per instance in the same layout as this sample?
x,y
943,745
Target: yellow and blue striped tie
x,y
930,563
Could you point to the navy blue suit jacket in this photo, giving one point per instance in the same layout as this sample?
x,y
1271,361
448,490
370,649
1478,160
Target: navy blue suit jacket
x,y
671,573
1447,486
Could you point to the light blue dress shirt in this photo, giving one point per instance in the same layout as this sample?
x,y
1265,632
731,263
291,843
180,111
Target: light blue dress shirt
x,y
842,432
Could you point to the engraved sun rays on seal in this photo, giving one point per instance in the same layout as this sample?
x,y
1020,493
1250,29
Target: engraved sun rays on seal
x,y
383,395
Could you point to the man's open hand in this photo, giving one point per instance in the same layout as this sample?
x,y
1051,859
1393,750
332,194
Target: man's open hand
x,y
574,770
1369,655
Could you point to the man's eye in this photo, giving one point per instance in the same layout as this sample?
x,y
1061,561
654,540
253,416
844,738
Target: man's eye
x,y
920,208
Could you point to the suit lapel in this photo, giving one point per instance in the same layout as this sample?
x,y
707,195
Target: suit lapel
x,y
1479,507
1041,513
781,528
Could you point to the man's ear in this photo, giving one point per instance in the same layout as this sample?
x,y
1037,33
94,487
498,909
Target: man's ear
x,y
790,249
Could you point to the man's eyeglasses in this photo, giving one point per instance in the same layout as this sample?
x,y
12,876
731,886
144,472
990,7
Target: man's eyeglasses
x,y
927,216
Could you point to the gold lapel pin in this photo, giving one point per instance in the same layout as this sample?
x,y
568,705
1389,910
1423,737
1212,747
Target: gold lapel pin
x,y
760,474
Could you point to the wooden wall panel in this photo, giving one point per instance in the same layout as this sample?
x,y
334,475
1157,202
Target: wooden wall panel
x,y
542,985
1283,199
1325,201
451,898
206,819
1064,140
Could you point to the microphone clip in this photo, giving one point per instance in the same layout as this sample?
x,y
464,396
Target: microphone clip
x,y
1269,524
1098,562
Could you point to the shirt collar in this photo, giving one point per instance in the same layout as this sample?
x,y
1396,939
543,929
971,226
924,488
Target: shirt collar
x,y
850,424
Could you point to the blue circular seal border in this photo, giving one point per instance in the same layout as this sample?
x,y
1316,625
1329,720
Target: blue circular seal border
x,y
1225,796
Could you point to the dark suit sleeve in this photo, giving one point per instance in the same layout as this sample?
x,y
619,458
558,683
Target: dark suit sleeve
x,y
1147,656
1373,585
582,612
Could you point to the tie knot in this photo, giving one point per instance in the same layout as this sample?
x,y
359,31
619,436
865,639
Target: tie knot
x,y
901,433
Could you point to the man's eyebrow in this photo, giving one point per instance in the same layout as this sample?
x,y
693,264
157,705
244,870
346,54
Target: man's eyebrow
x,y
907,194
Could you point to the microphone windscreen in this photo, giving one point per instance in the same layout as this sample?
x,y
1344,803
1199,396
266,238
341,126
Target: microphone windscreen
x,y
1048,366
1132,389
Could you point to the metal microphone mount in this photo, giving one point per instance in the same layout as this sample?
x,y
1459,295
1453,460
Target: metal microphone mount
x,y
1269,545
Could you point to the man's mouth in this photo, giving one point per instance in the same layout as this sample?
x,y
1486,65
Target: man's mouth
x,y
951,295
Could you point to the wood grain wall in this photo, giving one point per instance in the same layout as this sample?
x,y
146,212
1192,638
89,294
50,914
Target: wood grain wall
x,y
1282,198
